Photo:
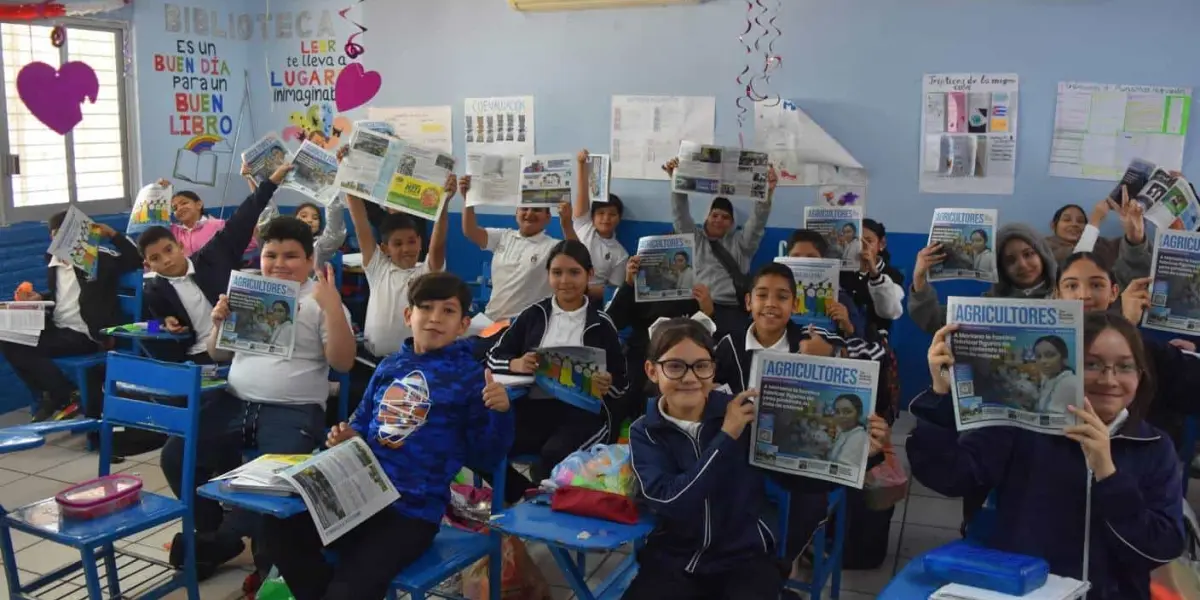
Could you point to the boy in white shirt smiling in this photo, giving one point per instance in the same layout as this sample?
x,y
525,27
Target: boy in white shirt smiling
x,y
599,232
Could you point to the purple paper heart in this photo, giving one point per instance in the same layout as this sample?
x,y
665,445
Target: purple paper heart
x,y
355,86
55,96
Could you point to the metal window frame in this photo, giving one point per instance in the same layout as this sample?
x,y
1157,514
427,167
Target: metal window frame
x,y
9,212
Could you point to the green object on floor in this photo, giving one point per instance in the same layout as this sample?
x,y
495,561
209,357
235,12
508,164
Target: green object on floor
x,y
274,589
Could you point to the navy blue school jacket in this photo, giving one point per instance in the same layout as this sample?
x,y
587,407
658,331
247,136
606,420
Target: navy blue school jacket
x,y
1041,486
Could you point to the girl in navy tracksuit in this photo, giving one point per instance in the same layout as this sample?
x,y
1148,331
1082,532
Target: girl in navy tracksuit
x,y
548,428
1042,481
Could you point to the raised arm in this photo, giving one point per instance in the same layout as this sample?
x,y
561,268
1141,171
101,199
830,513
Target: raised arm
x,y
470,225
336,334
752,234
583,197
233,240
681,212
334,234
436,258
362,228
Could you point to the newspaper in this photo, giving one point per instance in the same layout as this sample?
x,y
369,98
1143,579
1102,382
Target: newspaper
x,y
546,179
598,175
1169,202
342,487
812,415
377,126
721,171
495,180
77,242
22,322
314,173
261,475
262,315
817,288
1175,291
1016,362
265,156
667,271
968,239
395,173
840,226
1137,175
151,207
566,372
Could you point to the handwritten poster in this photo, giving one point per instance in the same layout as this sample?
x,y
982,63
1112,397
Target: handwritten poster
x,y
302,75
969,133
203,112
427,126
647,131
499,126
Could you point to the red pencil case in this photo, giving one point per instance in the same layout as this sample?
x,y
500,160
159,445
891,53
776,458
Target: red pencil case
x,y
99,497
594,503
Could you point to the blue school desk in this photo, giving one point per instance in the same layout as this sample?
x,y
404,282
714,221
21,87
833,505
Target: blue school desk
x,y
912,583
280,507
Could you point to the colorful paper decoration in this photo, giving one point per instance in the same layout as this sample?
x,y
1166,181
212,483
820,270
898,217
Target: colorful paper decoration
x,y
55,96
48,10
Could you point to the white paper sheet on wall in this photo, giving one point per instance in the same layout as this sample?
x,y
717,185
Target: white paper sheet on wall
x,y
499,126
647,131
1100,128
425,126
969,140
799,148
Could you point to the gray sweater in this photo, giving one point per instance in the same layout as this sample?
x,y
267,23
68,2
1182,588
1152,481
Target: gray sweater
x,y
741,244
332,235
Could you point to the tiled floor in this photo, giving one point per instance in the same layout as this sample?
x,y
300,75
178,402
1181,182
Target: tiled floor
x,y
922,522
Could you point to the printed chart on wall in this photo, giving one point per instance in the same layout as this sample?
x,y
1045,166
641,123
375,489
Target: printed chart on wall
x,y
499,126
969,139
426,126
804,154
647,131
1100,128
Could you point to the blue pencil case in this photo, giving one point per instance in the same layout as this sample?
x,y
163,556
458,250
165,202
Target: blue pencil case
x,y
962,563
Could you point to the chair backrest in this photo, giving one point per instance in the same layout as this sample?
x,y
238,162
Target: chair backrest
x,y
129,294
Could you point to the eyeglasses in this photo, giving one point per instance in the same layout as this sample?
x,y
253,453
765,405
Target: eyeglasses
x,y
1097,368
675,369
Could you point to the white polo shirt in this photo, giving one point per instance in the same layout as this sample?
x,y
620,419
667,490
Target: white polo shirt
x,y
519,275
608,255
302,379
753,344
67,313
384,329
199,309
565,327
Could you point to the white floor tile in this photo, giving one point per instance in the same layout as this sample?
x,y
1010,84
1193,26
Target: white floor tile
x,y
150,457
16,417
225,585
934,512
45,556
28,490
80,470
151,475
919,539
39,459
7,476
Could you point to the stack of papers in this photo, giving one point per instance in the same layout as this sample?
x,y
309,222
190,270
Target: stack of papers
x,y
261,475
22,322
1056,588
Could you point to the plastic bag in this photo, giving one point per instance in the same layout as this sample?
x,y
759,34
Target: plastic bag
x,y
273,588
470,507
520,577
887,483
604,468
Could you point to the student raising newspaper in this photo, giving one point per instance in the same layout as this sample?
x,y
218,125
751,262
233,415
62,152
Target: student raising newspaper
x,y
1073,231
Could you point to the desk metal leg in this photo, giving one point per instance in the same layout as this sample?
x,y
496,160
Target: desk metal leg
x,y
11,575
575,578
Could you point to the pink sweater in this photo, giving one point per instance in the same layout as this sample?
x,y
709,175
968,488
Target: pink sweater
x,y
195,238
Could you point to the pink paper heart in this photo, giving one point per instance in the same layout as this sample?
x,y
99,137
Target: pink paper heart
x,y
355,86
54,96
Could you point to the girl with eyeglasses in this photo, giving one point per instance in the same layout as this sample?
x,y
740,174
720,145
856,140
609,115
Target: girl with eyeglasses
x,y
1127,469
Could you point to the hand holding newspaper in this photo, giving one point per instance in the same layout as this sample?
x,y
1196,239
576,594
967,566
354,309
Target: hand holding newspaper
x,y
577,375
1175,287
1016,362
818,282
968,239
152,207
264,156
314,171
667,269
495,179
1169,201
22,322
77,242
720,171
262,315
546,180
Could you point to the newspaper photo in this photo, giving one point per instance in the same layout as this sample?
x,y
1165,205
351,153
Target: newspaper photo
x,y
1136,176
377,126
77,242
1175,283
566,372
1016,362
721,171
841,227
598,175
394,173
495,180
546,180
1170,202
666,271
968,239
22,322
817,288
151,207
811,415
265,156
262,315
342,487
314,173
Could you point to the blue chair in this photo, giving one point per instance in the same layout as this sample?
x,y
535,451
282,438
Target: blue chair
x,y
482,286
94,538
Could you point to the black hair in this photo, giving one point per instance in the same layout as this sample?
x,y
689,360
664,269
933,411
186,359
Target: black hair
x,y
320,213
721,203
982,234
854,401
670,334
614,201
573,249
394,222
152,235
431,287
190,195
1063,210
774,269
851,226
685,256
281,229
880,232
286,307
807,235
56,220
1095,323
1059,346
1089,257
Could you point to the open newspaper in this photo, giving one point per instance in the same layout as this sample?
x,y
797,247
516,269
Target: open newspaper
x,y
22,322
598,175
811,415
394,173
261,475
1016,362
262,315
1175,287
77,242
667,270
968,239
842,227
817,288
151,207
264,156
1169,202
1136,176
567,373
314,173
720,171
495,179
546,179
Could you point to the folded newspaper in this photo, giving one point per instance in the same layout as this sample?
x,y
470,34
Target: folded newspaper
x,y
22,322
262,315
720,171
1169,202
77,242
1175,288
546,180
341,487
841,227
666,271
394,173
968,239
314,173
1016,362
812,415
262,475
818,283
495,180
264,156
567,373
